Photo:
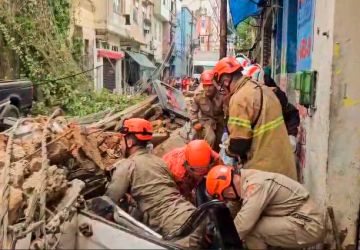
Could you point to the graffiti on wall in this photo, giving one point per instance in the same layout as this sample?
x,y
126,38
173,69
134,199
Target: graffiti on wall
x,y
301,152
305,36
301,145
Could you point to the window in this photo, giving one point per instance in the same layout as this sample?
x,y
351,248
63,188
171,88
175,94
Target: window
x,y
105,45
202,40
127,19
115,48
116,6
86,47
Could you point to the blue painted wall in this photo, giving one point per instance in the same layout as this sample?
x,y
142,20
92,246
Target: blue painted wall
x,y
294,37
182,42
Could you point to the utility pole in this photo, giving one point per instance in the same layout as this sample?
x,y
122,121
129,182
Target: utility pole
x,y
223,28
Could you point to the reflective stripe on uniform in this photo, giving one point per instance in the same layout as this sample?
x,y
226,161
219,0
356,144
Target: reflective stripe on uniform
x,y
239,122
261,130
269,126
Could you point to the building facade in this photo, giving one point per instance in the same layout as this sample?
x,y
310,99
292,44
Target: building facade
x,y
184,35
123,40
312,55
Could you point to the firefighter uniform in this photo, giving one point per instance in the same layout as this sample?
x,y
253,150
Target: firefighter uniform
x,y
210,113
186,182
270,148
276,211
147,179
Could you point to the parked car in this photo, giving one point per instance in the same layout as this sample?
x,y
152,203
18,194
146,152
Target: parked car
x,y
16,98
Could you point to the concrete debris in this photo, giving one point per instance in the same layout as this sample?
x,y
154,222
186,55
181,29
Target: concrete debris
x,y
17,173
18,152
74,151
35,165
16,202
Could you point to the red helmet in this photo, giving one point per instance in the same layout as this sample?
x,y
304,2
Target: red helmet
x,y
141,128
207,77
218,179
198,156
227,65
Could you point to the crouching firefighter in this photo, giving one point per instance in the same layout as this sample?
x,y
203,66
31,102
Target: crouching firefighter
x,y
276,210
147,179
189,164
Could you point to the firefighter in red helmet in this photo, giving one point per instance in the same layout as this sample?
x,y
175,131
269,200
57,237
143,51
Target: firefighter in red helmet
x,y
206,111
276,210
146,178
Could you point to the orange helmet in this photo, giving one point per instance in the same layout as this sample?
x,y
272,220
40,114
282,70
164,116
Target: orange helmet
x,y
207,77
227,65
218,179
141,128
198,156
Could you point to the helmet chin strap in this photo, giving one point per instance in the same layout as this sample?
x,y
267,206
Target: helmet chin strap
x,y
222,86
127,148
232,183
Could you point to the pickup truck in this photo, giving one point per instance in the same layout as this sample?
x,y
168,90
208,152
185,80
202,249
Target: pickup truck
x,y
16,97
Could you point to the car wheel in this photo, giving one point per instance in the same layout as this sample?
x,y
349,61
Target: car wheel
x,y
10,111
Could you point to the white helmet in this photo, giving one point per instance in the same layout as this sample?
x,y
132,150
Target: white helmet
x,y
255,71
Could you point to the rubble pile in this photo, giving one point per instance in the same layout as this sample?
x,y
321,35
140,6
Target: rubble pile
x,y
70,149
74,150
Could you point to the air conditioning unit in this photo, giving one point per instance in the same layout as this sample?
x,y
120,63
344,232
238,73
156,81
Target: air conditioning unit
x,y
126,7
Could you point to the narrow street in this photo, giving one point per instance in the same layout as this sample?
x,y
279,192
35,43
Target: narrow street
x,y
179,124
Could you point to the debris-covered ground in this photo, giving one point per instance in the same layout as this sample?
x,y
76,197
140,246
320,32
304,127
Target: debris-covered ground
x,y
83,149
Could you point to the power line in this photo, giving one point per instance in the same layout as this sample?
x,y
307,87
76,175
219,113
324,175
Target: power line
x,y
41,82
65,77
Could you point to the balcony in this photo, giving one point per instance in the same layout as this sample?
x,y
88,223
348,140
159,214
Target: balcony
x,y
161,11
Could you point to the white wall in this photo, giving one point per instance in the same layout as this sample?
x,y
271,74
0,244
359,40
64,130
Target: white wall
x,y
344,144
317,127
332,158
158,36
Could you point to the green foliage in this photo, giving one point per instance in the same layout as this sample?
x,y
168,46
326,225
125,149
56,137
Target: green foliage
x,y
77,48
246,34
92,102
61,13
37,30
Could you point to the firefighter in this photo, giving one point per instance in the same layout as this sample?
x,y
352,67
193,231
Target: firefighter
x,y
147,179
206,111
290,112
257,133
276,210
189,164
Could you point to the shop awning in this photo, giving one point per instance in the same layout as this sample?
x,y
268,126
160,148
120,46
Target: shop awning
x,y
110,54
141,59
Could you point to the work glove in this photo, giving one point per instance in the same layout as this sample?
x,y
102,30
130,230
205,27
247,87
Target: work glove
x,y
226,145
